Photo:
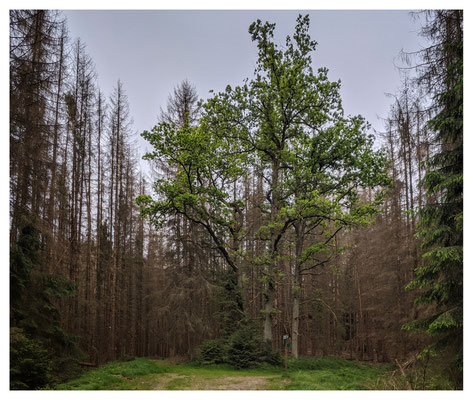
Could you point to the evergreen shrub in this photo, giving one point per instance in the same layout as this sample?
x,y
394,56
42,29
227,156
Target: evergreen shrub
x,y
30,363
212,352
244,348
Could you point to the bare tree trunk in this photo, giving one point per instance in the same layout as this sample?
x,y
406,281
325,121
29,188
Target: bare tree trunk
x,y
53,183
361,333
299,228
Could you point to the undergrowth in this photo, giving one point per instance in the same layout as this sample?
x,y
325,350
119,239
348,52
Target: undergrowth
x,y
421,376
331,373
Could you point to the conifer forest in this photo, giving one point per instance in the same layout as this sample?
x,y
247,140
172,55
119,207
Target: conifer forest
x,y
266,219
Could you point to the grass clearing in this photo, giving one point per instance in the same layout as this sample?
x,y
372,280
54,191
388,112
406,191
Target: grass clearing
x,y
303,374
332,373
136,374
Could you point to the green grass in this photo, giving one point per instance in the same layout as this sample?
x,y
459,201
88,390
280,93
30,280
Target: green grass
x,y
333,374
303,374
117,375
224,370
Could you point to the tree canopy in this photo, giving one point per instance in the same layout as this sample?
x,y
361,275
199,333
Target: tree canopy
x,y
287,126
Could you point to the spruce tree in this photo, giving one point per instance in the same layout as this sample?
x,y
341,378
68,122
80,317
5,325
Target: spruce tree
x,y
35,320
440,277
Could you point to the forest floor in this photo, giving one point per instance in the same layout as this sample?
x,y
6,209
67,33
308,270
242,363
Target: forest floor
x,y
303,374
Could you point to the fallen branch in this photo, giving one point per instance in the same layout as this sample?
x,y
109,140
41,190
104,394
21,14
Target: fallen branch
x,y
404,375
86,364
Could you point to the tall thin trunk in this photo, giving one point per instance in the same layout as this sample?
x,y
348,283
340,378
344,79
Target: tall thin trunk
x,y
53,183
270,290
299,229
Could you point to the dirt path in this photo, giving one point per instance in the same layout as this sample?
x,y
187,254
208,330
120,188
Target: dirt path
x,y
169,381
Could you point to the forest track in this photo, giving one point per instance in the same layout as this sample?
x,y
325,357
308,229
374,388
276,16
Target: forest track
x,y
173,381
305,374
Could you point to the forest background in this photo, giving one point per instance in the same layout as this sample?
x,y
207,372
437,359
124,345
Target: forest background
x,y
356,335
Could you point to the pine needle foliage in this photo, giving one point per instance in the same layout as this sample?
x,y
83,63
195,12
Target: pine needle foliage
x,y
36,321
440,277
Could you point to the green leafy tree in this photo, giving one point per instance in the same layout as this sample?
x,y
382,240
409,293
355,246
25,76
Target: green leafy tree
x,y
326,181
313,159
202,190
440,277
287,126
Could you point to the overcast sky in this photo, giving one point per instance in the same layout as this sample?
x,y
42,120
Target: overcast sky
x,y
152,51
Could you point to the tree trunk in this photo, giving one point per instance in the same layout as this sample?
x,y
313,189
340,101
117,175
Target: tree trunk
x,y
299,228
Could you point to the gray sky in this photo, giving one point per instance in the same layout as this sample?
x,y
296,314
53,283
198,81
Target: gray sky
x,y
152,51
